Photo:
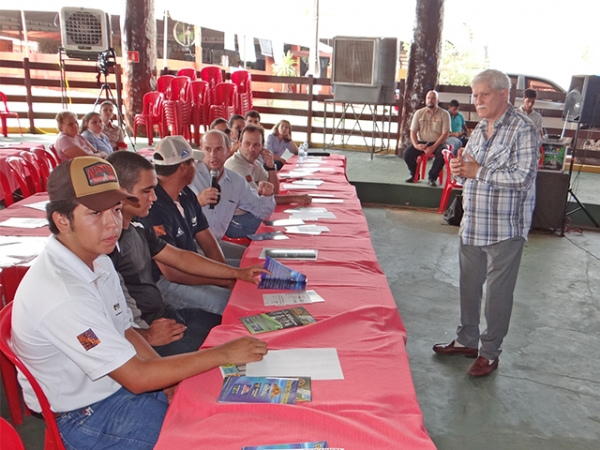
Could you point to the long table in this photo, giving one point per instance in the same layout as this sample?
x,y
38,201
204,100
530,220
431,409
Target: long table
x,y
374,406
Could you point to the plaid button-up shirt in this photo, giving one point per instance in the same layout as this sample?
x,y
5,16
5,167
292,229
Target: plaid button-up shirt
x,y
498,203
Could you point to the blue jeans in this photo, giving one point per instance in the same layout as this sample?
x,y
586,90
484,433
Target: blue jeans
x,y
243,225
203,296
123,420
456,143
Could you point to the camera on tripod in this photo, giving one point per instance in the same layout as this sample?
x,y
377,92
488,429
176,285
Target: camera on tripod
x,y
106,60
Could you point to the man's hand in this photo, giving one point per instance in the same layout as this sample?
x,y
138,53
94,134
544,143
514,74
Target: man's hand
x,y
268,157
464,167
208,196
162,332
421,147
265,188
251,272
428,149
303,199
244,350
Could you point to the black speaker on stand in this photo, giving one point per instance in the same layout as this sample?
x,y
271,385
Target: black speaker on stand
x,y
582,105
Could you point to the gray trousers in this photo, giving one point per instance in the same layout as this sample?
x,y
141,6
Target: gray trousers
x,y
498,265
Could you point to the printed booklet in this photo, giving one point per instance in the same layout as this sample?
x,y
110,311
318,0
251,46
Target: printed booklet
x,y
278,320
281,277
259,390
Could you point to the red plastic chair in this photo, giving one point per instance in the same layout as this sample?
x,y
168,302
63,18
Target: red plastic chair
x,y
243,80
212,74
5,114
46,155
52,439
188,72
421,171
10,277
9,438
450,182
164,82
53,150
151,115
25,174
7,191
199,96
240,241
223,101
41,166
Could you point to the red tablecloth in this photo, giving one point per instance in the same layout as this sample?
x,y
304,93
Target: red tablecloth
x,y
20,210
373,407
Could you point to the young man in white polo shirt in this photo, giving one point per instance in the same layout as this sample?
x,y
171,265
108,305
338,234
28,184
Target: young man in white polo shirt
x,y
71,326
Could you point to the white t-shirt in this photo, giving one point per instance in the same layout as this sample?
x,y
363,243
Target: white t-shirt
x,y
68,326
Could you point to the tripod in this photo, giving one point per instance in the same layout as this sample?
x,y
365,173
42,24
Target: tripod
x,y
572,195
107,91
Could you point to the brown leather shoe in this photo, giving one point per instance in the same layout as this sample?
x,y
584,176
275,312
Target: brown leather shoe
x,y
450,349
482,367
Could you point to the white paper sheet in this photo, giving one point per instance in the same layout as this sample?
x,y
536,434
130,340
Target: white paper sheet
x,y
292,298
40,206
309,182
308,216
290,186
327,200
21,222
317,363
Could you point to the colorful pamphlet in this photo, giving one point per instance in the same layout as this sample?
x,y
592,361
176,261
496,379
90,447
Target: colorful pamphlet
x,y
281,277
316,444
292,298
278,320
259,390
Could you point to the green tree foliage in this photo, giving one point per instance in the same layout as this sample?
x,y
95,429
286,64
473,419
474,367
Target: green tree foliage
x,y
458,66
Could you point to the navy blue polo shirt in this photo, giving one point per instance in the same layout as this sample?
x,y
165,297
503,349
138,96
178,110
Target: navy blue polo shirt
x,y
173,227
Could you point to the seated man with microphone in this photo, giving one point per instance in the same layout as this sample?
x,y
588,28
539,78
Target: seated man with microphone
x,y
176,217
225,191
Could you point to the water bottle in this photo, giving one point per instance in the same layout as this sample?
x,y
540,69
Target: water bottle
x,y
302,153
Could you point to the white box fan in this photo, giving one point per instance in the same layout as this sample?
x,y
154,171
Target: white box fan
x,y
84,32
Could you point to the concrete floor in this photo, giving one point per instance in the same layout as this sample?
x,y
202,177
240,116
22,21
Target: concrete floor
x,y
546,392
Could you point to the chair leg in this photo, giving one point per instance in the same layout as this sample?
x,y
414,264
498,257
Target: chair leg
x,y
11,389
4,127
149,130
445,199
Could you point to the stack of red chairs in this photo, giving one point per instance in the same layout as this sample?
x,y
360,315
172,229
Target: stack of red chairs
x,y
164,82
243,81
223,101
177,107
199,96
213,75
152,115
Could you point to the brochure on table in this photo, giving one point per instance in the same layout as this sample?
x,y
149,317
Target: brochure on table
x,y
281,277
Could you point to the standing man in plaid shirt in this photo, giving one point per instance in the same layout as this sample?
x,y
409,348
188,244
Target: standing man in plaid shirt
x,y
498,169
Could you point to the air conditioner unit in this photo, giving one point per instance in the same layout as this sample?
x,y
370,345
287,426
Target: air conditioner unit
x,y
84,32
364,69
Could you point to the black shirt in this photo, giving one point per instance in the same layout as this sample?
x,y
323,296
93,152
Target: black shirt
x,y
132,258
168,223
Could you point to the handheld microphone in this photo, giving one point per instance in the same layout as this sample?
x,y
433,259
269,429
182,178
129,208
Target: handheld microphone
x,y
214,174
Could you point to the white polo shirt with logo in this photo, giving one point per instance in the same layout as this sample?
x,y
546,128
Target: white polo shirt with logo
x,y
68,326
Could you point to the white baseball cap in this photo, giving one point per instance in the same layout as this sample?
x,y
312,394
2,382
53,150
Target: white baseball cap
x,y
173,150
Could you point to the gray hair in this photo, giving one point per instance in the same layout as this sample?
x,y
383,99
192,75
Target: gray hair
x,y
226,143
494,78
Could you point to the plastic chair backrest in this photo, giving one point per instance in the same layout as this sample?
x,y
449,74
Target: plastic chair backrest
x,y
188,72
4,103
224,94
10,277
448,155
9,438
164,82
149,102
242,79
178,89
41,166
199,92
24,173
53,439
212,74
7,191
47,156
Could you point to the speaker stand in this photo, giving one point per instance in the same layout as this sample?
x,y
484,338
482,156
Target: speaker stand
x,y
570,191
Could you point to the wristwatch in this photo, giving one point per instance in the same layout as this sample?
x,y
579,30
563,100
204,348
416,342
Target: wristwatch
x,y
270,168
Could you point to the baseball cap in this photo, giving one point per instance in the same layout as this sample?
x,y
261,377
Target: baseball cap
x,y
88,180
173,150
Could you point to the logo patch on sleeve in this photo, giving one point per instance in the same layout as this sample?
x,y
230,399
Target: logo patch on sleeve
x,y
88,339
248,178
160,230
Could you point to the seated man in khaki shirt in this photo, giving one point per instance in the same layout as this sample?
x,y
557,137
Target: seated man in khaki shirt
x,y
429,129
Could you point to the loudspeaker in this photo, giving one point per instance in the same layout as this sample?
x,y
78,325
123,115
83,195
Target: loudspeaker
x,y
551,189
364,69
84,32
582,103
